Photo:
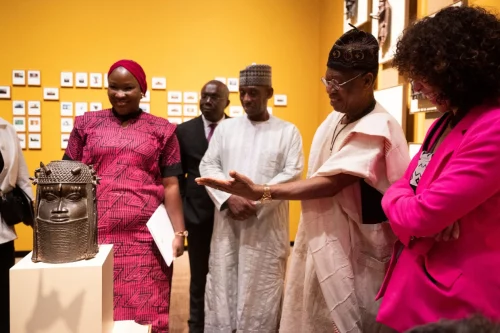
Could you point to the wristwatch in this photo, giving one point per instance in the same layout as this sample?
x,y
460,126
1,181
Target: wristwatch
x,y
182,233
266,196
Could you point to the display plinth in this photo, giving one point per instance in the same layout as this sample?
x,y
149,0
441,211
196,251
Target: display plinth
x,y
58,298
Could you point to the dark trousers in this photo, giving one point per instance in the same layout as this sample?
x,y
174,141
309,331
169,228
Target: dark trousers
x,y
6,262
199,251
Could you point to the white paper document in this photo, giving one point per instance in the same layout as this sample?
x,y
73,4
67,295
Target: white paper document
x,y
161,229
129,326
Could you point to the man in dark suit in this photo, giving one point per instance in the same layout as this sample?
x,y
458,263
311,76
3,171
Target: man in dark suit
x,y
194,136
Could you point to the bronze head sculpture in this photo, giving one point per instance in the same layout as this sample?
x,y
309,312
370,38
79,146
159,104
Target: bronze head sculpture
x,y
65,228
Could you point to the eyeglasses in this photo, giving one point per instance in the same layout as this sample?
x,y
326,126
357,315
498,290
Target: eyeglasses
x,y
335,84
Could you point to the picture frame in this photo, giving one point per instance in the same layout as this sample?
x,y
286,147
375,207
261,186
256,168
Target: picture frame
x,y
34,108
51,94
4,92
64,141
159,83
81,80
22,140
175,120
233,84
174,97
393,99
67,109
221,79
145,107
19,124
34,141
18,108
67,79
146,97
81,108
34,78
191,97
18,77
105,77
66,124
361,15
190,110
236,111
34,124
280,100
174,110
95,106
400,16
95,80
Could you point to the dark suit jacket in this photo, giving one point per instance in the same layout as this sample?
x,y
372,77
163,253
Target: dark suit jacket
x,y
198,207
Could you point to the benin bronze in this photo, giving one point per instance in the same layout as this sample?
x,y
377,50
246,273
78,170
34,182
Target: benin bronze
x,y
65,228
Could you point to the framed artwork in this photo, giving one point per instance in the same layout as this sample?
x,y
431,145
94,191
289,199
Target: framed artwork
x,y
270,110
397,21
4,92
236,111
105,76
413,148
81,108
81,80
159,83
34,124
18,108
174,97
18,77
67,79
393,100
233,84
356,12
221,79
67,109
64,141
174,110
191,97
175,120
280,100
95,106
190,110
22,140
95,80
34,141
51,94
145,107
34,108
19,124
34,78
435,6
146,97
66,125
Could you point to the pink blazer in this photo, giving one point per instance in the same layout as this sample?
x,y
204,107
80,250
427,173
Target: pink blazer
x,y
432,280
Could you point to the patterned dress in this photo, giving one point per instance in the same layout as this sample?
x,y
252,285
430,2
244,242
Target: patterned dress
x,y
131,162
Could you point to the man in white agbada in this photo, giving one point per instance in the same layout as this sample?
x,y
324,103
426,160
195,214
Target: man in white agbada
x,y
250,242
344,242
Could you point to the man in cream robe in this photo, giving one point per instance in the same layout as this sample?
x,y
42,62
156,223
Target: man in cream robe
x,y
248,255
343,243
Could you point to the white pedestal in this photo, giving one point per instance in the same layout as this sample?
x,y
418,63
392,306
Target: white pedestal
x,y
63,298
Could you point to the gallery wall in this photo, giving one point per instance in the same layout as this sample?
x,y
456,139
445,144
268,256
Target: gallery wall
x,y
188,42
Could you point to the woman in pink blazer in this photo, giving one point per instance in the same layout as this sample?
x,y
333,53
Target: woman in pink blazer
x,y
445,211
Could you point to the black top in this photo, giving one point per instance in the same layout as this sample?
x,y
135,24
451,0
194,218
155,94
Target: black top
x,y
2,164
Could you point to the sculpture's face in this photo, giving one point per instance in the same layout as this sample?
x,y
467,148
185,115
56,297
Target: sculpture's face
x,y
62,203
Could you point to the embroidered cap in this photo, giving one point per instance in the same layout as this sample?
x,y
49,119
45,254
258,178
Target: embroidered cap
x,y
355,49
256,75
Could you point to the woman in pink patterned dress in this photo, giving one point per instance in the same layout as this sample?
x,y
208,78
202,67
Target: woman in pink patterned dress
x,y
137,157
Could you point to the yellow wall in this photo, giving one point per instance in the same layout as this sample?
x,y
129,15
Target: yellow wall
x,y
189,42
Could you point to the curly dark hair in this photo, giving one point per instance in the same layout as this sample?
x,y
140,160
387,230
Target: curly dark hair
x,y
456,51
473,324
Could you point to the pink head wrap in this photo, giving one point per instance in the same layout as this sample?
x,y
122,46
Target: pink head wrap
x,y
135,69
